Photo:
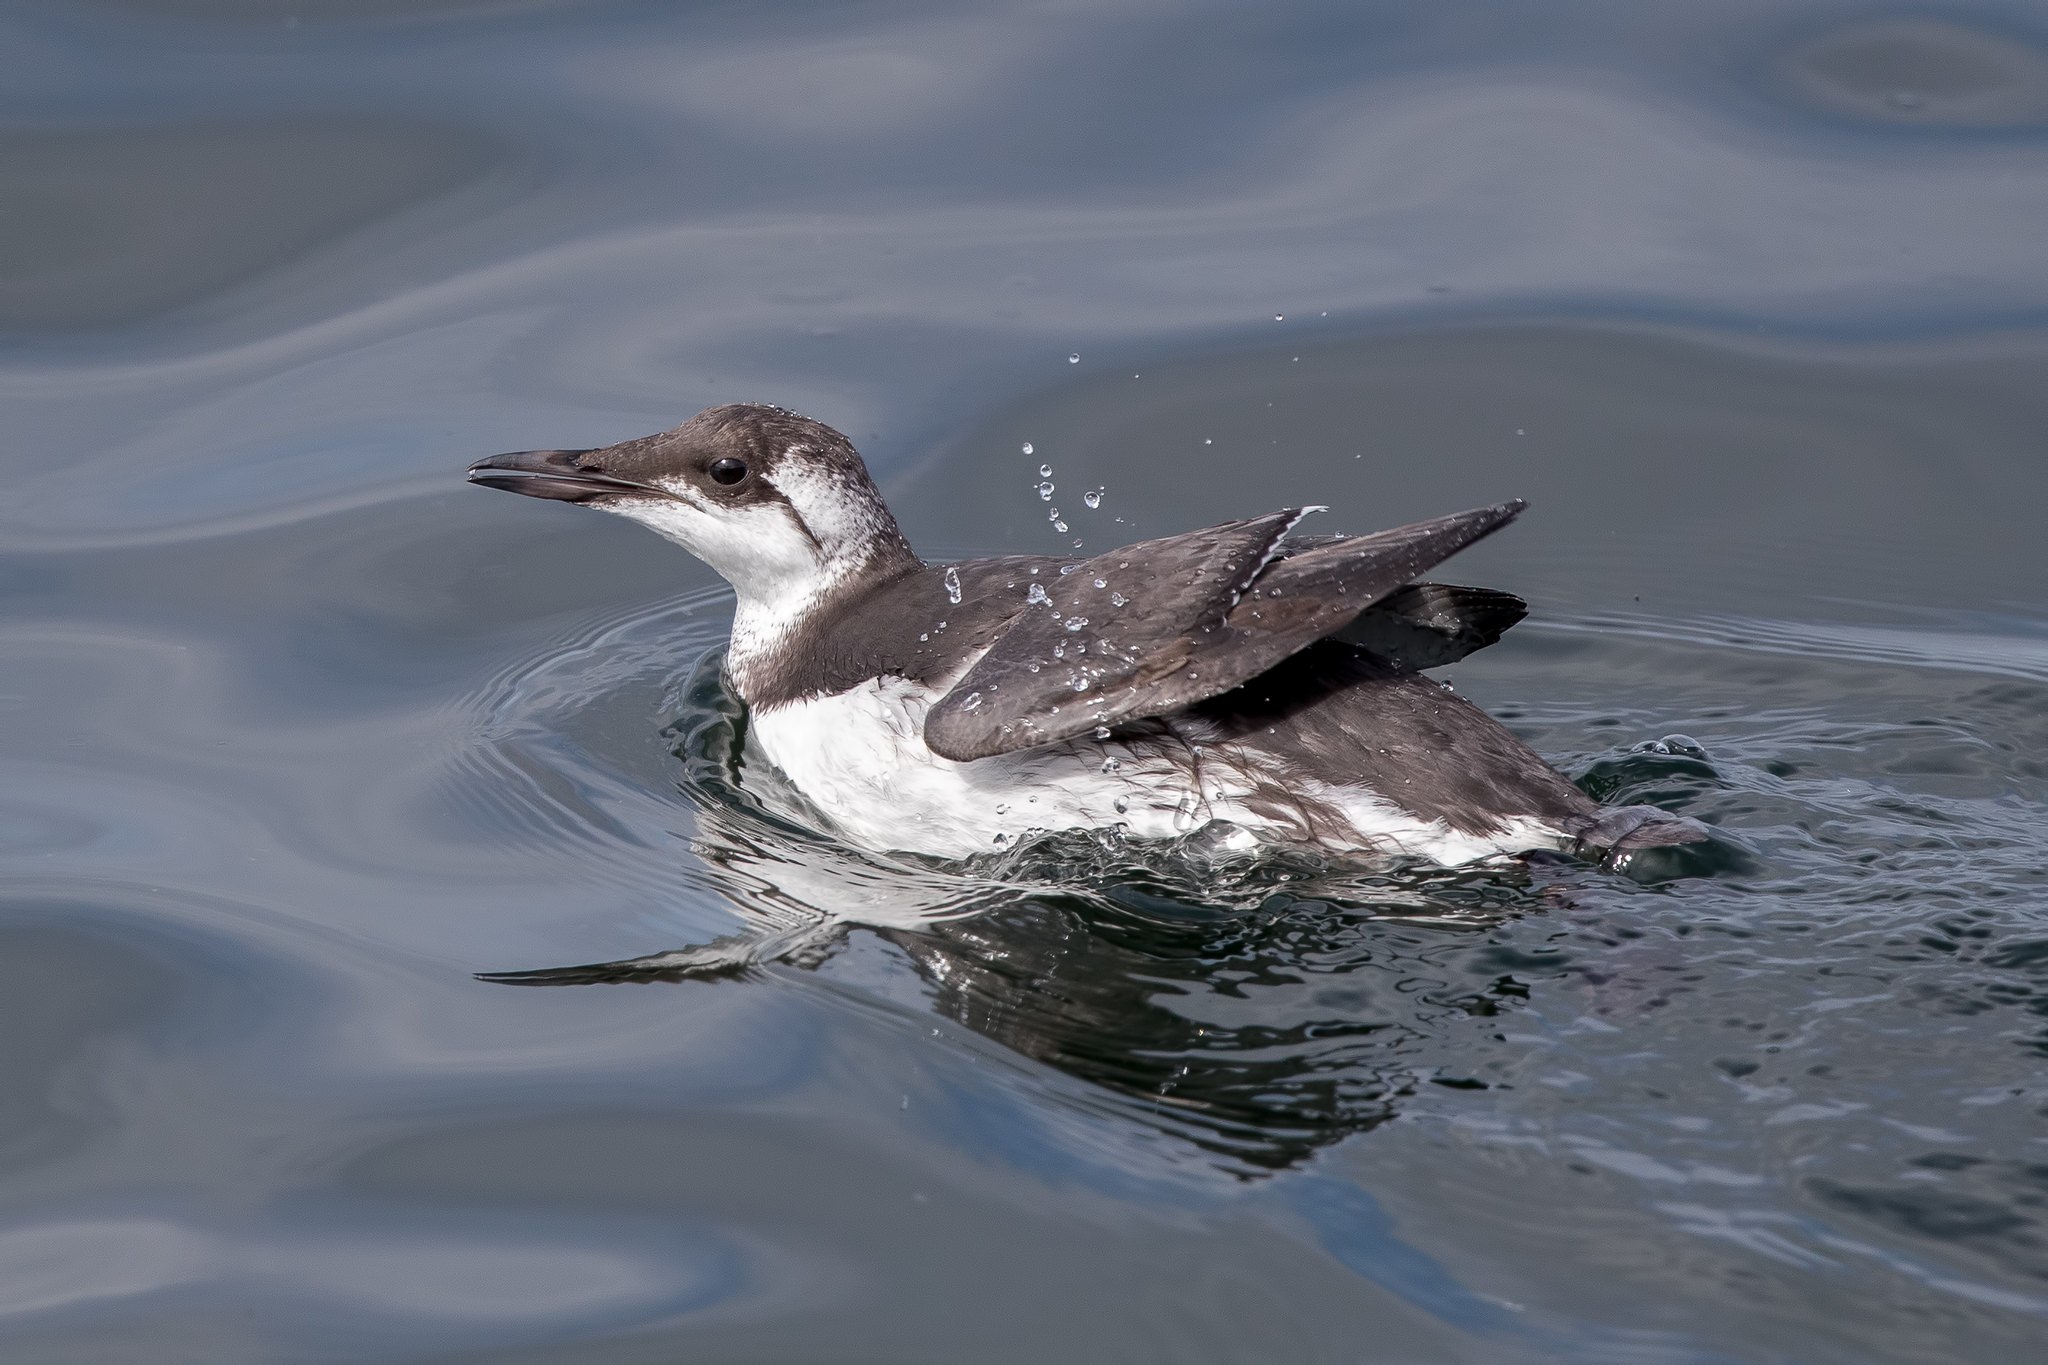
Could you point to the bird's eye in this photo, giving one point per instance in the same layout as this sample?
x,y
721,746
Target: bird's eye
x,y
727,470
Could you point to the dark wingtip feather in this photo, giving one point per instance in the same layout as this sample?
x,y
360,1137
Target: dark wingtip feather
x,y
1429,625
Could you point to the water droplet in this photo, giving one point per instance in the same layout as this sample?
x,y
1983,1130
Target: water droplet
x,y
1207,442
1077,542
1074,359
924,635
1045,471
1045,491
1102,582
1279,317
1060,526
1122,804
1111,765
1059,651
1117,599
1000,838
1076,622
1002,809
1053,515
1037,594
1080,683
1093,498
1102,732
1031,668
1027,448
973,700
953,585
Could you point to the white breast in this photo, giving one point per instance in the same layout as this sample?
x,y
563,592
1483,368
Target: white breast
x,y
859,758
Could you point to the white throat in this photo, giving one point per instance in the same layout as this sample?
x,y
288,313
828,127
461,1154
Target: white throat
x,y
783,557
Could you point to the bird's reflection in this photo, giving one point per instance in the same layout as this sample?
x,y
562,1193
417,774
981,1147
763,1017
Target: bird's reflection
x,y
1261,1010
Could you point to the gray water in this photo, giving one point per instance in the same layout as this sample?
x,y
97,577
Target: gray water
x,y
1750,300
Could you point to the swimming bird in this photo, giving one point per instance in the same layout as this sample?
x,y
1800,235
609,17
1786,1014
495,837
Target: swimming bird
x,y
1262,689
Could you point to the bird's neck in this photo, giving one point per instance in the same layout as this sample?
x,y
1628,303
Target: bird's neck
x,y
772,628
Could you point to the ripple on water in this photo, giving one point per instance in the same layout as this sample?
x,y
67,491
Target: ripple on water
x,y
1928,72
563,751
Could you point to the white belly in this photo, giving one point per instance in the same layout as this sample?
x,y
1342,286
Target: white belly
x,y
859,758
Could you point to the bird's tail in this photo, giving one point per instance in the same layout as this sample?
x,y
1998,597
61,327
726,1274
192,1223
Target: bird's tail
x,y
1615,830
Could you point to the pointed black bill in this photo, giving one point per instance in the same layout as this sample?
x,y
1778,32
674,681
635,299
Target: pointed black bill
x,y
556,474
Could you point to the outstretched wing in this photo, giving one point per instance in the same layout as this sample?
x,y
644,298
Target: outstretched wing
x,y
1166,623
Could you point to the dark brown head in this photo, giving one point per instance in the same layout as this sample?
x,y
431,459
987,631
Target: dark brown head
x,y
780,505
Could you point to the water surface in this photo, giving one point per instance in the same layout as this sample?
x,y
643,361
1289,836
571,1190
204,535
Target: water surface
x,y
300,733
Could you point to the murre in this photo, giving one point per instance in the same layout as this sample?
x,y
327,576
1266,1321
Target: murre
x,y
1228,678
